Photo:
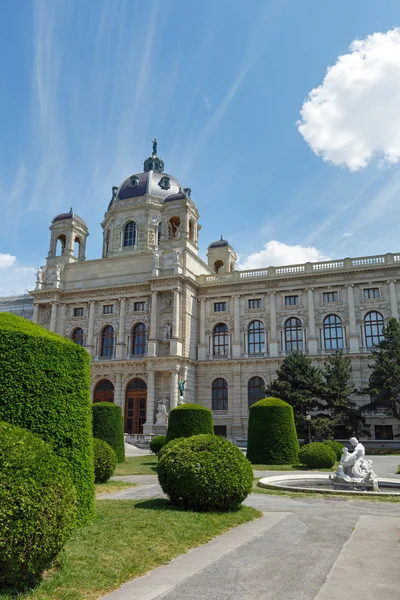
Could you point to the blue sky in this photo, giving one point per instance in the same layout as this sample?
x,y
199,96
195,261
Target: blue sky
x,y
86,84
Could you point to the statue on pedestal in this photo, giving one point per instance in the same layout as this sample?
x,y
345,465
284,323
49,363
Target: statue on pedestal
x,y
354,470
181,388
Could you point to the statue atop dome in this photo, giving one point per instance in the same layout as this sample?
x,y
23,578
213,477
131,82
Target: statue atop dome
x,y
154,147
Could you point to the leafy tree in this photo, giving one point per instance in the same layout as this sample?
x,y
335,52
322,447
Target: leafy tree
x,y
343,410
300,384
384,381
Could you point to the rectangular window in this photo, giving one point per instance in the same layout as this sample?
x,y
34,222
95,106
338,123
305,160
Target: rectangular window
x,y
108,309
220,430
330,296
219,306
78,312
383,432
138,306
291,300
255,303
370,293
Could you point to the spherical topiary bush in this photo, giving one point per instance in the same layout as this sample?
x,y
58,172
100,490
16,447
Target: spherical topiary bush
x,y
157,443
105,461
108,425
337,447
317,455
37,507
189,419
272,436
45,387
204,472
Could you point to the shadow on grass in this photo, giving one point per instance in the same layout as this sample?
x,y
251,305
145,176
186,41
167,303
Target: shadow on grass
x,y
164,504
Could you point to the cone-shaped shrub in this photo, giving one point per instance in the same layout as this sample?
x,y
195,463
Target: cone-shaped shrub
x,y
37,507
189,419
45,387
108,425
272,436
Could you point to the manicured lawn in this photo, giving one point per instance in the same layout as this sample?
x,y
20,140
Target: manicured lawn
x,y
112,486
138,465
289,468
127,539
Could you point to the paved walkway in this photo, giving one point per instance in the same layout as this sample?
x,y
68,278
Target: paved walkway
x,y
301,549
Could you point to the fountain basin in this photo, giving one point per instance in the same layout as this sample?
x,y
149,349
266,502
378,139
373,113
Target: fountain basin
x,y
320,483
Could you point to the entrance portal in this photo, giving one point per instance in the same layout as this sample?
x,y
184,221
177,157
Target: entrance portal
x,y
135,406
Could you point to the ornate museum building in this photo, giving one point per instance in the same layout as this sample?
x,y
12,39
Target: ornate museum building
x,y
152,313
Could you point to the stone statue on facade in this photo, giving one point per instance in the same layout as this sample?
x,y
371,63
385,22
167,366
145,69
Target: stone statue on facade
x,y
156,261
167,332
39,278
354,471
162,406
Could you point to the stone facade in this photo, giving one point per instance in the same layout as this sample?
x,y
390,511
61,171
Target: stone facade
x,y
149,309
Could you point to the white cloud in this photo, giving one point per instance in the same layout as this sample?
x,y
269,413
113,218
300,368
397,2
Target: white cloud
x,y
278,254
354,115
346,235
15,277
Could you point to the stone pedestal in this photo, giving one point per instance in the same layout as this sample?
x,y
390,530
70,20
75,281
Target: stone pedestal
x,y
161,425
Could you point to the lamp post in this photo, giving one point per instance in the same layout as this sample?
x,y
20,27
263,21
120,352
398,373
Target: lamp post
x,y
308,419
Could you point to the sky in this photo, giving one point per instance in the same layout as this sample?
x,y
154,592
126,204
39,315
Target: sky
x,y
282,117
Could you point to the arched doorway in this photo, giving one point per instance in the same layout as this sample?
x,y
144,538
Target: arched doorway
x,y
104,391
135,406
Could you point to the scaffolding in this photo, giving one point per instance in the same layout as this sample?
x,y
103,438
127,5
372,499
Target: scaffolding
x,y
18,304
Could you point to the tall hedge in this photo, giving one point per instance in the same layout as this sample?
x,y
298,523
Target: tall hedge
x,y
45,387
189,419
108,425
272,436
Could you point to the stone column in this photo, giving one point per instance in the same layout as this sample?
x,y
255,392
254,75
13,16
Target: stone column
x,y
89,342
118,399
393,300
236,349
35,317
235,405
60,327
273,342
174,389
202,347
176,315
53,317
353,336
120,352
152,341
149,425
312,337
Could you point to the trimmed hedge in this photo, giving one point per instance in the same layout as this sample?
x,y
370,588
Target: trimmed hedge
x,y
204,472
317,455
45,387
105,461
272,437
37,507
157,443
337,447
189,419
108,425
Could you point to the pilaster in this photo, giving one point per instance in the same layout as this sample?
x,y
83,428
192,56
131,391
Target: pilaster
x,y
353,336
394,309
273,343
312,337
236,350
149,425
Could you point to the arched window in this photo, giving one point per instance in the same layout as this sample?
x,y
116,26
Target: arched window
x,y
60,246
77,247
373,325
219,394
191,230
104,391
255,391
130,234
293,335
107,341
219,266
78,336
173,227
333,333
107,242
159,234
220,340
256,343
139,339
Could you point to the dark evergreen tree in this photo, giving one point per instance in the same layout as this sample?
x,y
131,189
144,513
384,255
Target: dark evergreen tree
x,y
337,395
384,382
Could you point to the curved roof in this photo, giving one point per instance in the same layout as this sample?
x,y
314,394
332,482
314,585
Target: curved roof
x,y
69,215
219,243
152,183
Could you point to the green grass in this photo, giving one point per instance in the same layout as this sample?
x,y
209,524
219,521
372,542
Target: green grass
x,y
127,539
138,465
112,486
289,468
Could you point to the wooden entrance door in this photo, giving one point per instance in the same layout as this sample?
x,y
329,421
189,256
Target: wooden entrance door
x,y
135,406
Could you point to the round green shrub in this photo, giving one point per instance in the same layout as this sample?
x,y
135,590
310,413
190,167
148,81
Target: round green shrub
x,y
45,388
272,437
204,472
37,507
157,443
189,419
317,455
337,447
105,461
108,425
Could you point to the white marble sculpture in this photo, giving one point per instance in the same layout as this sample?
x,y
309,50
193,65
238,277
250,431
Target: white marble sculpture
x,y
167,332
162,413
354,471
